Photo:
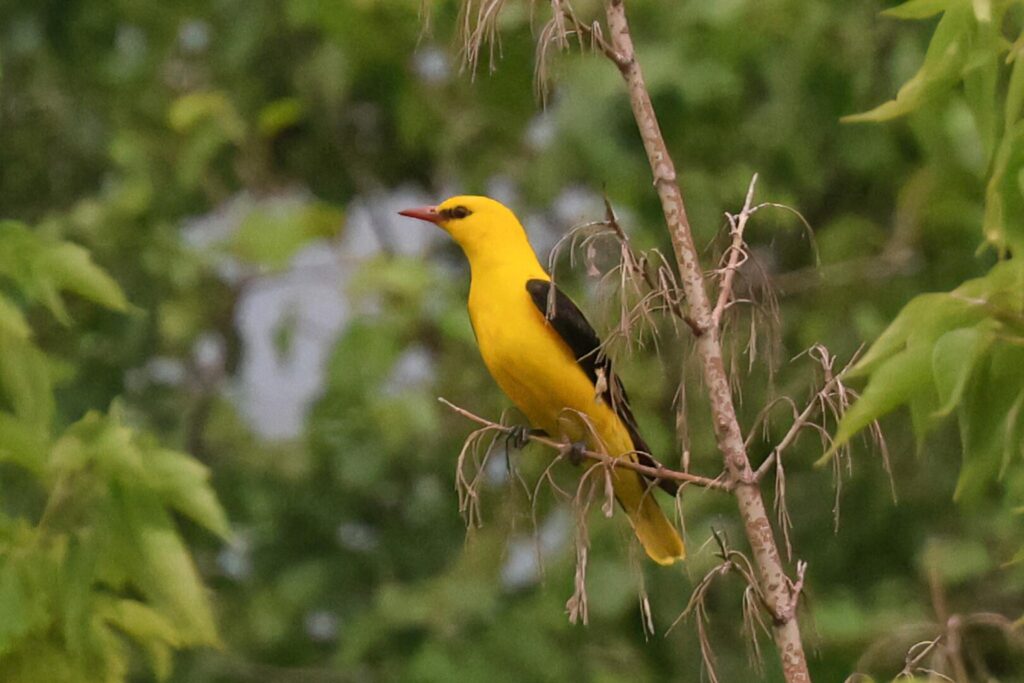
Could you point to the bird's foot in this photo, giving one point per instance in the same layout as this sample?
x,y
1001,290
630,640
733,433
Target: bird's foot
x,y
519,436
577,452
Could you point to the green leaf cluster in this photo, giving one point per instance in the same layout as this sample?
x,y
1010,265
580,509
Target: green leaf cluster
x,y
92,564
970,48
962,352
958,352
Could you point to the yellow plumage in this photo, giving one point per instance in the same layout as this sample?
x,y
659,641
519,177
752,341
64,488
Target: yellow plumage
x,y
532,363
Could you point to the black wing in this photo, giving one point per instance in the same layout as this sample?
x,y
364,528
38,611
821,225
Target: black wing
x,y
571,325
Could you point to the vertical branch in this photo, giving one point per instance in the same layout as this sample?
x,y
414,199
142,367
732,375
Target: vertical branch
x,y
776,587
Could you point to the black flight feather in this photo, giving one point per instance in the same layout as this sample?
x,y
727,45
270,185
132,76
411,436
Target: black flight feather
x,y
571,325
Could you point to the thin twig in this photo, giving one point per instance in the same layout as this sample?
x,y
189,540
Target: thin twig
x,y
801,421
659,278
951,625
737,255
658,472
916,654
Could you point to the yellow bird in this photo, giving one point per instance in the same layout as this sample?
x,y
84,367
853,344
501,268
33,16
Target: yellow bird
x,y
547,359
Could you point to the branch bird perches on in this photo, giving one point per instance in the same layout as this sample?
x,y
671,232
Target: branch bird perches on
x,y
780,593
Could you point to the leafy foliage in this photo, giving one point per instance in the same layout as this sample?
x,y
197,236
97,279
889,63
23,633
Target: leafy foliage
x,y
969,48
124,130
962,352
101,564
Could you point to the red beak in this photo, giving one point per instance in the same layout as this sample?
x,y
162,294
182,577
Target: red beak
x,y
424,213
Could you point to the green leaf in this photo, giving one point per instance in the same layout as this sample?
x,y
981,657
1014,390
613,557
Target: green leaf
x,y
135,544
925,316
917,9
21,612
162,567
923,406
22,259
279,115
44,267
124,456
1008,371
894,382
159,565
1004,277
147,627
954,358
189,111
42,660
12,320
20,248
184,484
21,442
71,268
956,332
100,441
25,380
942,68
1014,89
1004,202
987,419
78,599
1013,445
981,76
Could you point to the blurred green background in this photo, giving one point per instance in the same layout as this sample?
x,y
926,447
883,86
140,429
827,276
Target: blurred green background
x,y
236,168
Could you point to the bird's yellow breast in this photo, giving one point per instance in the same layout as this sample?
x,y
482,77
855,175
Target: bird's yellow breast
x,y
534,366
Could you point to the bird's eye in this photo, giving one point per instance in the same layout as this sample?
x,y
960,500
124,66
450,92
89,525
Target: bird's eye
x,y
455,212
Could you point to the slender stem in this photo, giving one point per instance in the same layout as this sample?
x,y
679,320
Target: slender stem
x,y
950,624
737,255
612,221
657,472
799,423
775,585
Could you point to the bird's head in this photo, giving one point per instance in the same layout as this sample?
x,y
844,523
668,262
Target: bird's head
x,y
476,223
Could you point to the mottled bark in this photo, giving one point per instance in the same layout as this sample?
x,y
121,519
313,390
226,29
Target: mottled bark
x,y
774,584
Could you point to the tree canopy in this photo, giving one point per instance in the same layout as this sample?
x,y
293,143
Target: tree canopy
x,y
222,457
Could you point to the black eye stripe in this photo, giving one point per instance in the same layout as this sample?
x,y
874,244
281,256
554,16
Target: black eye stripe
x,y
455,212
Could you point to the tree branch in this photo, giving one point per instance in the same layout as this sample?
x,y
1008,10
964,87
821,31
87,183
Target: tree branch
x,y
612,221
660,472
772,579
737,255
799,423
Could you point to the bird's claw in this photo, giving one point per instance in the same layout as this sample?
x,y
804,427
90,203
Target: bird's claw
x,y
519,436
577,452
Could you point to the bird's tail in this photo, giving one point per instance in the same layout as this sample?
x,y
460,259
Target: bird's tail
x,y
657,535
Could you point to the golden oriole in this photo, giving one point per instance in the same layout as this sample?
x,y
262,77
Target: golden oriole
x,y
547,358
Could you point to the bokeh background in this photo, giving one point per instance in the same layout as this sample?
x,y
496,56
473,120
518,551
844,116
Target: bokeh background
x,y
236,167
